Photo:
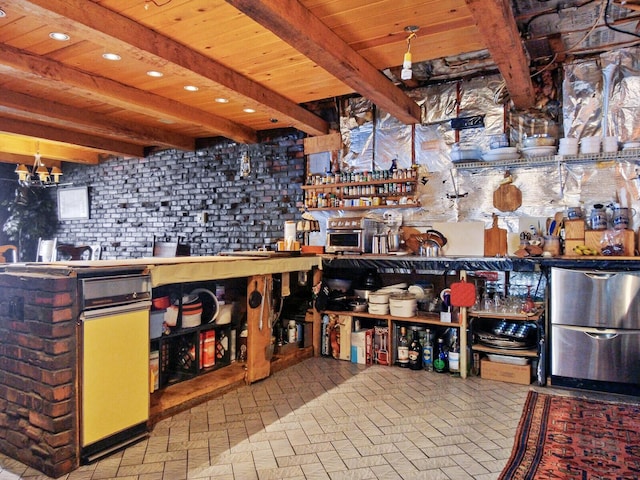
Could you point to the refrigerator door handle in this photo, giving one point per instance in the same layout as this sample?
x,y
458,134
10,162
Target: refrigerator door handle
x,y
599,276
601,336
598,333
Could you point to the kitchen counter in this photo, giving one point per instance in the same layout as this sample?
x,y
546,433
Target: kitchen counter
x,y
39,320
414,263
166,271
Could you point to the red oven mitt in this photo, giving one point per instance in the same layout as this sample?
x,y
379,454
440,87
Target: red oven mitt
x,y
463,294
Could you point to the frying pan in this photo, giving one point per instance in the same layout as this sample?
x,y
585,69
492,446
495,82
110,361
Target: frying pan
x,y
255,297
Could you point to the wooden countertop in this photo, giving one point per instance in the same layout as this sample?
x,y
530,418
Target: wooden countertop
x,y
183,269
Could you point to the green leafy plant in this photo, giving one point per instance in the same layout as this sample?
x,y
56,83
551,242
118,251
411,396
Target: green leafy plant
x,y
32,215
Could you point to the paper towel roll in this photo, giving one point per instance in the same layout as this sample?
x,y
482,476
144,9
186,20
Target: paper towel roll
x,y
289,234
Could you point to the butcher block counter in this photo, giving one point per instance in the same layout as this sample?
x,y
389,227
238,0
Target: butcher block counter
x,y
165,271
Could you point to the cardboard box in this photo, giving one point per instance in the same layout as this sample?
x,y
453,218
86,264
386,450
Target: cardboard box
x,y
359,347
381,354
505,372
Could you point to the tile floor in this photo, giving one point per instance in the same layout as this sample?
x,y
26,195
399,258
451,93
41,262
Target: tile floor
x,y
326,419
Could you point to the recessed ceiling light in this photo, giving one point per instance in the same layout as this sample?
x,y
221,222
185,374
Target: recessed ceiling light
x,y
248,110
222,100
155,73
111,56
191,88
61,37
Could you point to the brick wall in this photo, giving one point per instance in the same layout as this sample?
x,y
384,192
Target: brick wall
x,y
131,200
38,424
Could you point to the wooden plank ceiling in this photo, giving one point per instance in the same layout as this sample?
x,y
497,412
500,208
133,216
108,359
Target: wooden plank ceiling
x,y
65,101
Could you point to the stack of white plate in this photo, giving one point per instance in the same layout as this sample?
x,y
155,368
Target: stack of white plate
x,y
502,153
542,151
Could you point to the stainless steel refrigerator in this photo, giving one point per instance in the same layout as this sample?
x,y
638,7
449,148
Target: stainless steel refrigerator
x,y
595,330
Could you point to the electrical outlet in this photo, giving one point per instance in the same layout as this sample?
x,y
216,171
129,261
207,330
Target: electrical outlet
x,y
204,217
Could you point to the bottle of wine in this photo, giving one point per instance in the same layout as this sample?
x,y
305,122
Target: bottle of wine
x,y
440,361
415,351
403,348
427,352
454,353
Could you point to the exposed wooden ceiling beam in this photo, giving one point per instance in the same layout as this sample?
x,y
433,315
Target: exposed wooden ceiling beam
x,y
27,159
35,67
102,21
296,25
100,144
497,25
18,144
36,109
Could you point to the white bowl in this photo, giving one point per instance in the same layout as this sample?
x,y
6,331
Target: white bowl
x,y
378,297
379,308
192,320
224,317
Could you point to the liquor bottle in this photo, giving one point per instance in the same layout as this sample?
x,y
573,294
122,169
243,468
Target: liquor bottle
x,y
454,353
292,332
415,351
440,361
427,352
403,348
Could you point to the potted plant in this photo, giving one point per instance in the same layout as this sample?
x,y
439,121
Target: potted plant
x,y
31,215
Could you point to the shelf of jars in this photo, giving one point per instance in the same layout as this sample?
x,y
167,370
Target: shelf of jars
x,y
531,161
363,190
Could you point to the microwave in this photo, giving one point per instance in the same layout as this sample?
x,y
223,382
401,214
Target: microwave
x,y
351,234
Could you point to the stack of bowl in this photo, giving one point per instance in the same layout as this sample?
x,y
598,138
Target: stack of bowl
x,y
191,311
568,146
590,145
379,303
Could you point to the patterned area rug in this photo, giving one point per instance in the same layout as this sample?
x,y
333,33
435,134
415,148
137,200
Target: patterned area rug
x,y
573,438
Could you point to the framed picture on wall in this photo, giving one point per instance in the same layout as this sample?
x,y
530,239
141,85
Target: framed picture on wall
x,y
73,203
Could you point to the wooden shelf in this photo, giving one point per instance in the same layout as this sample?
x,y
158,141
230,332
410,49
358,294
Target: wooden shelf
x,y
506,316
366,207
325,186
503,351
425,318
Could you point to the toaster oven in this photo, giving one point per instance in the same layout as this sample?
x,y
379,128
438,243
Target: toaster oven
x,y
351,234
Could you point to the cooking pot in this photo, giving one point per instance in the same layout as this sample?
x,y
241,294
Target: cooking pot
x,y
403,305
430,249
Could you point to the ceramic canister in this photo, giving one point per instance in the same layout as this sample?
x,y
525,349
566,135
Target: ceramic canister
x,y
598,219
621,218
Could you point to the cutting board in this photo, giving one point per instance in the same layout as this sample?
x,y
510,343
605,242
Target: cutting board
x,y
464,239
507,198
495,240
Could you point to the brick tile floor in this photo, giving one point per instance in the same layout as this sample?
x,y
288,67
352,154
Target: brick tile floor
x,y
326,419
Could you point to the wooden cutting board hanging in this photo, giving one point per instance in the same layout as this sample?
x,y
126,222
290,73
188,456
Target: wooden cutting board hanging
x,y
507,197
495,240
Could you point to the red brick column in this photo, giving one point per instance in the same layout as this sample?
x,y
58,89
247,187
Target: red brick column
x,y
38,370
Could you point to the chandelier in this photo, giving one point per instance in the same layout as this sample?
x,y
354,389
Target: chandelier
x,y
39,175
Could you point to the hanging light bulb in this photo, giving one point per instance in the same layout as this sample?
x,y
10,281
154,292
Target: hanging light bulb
x,y
407,71
56,173
23,172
